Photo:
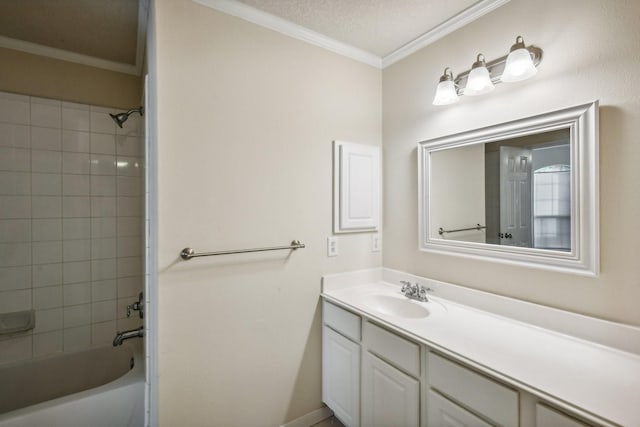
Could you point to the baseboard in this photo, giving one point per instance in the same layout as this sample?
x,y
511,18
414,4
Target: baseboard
x,y
311,418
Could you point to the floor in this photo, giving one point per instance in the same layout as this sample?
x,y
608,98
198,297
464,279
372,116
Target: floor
x,y
329,422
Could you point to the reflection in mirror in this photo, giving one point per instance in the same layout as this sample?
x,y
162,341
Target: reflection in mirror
x,y
523,191
527,191
513,192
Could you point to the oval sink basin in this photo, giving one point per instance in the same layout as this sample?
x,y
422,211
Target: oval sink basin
x,y
395,306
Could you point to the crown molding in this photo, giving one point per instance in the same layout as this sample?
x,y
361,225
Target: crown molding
x,y
275,23
463,18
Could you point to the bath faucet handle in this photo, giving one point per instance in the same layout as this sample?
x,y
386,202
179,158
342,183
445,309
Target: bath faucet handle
x,y
136,306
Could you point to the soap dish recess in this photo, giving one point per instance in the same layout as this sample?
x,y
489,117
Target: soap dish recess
x,y
17,321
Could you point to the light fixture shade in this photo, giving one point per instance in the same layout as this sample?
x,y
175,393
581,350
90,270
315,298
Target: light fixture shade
x,y
479,80
519,66
445,93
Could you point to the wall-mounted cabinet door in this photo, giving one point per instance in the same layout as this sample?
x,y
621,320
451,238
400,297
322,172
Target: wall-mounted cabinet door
x,y
389,397
341,376
356,187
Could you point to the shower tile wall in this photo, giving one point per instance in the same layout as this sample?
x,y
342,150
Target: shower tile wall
x,y
70,223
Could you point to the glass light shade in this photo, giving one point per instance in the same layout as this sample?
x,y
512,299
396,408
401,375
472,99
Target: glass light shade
x,y
478,82
445,93
519,66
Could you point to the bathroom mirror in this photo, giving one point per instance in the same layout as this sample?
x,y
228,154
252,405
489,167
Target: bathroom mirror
x,y
523,192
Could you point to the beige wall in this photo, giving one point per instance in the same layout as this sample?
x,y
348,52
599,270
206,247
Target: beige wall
x,y
246,119
590,52
35,75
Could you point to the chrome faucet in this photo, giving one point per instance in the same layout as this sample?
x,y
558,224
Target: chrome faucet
x,y
416,292
133,333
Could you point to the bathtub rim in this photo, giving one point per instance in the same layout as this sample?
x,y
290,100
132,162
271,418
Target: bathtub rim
x,y
137,374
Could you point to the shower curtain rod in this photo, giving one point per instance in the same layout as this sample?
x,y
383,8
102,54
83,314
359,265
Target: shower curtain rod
x,y
188,253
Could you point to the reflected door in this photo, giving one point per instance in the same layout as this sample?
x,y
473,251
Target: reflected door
x,y
515,196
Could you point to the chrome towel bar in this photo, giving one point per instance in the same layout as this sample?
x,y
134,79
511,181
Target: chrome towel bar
x,y
188,253
441,230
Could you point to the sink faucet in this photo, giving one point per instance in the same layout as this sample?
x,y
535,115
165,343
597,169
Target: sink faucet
x,y
417,291
133,333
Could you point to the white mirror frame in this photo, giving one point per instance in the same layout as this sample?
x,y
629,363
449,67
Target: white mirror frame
x,y
582,121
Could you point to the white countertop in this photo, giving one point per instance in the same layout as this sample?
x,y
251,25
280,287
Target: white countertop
x,y
599,382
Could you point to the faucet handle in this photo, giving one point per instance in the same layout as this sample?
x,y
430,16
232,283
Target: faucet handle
x,y
422,293
406,286
137,306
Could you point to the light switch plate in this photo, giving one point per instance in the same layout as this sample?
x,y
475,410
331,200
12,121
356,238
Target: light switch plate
x,y
332,246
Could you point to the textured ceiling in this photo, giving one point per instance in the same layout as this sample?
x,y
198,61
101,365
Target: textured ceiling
x,y
376,26
106,29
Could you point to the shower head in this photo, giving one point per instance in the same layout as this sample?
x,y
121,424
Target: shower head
x,y
120,118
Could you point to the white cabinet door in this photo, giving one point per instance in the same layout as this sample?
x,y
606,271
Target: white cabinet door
x,y
390,398
441,412
341,376
356,187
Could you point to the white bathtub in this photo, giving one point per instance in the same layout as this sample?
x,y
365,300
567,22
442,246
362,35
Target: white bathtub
x,y
117,402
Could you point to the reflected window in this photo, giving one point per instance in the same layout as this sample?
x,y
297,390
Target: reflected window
x,y
552,207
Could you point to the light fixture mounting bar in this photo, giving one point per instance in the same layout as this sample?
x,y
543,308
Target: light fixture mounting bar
x,y
495,68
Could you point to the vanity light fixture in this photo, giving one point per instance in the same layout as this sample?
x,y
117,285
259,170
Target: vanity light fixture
x,y
520,64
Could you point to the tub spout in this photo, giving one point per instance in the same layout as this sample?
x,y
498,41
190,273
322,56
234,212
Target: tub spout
x,y
121,336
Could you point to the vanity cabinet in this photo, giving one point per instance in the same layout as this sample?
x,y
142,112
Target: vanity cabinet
x,y
375,377
341,363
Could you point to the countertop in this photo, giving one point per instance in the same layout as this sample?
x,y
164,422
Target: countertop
x,y
599,382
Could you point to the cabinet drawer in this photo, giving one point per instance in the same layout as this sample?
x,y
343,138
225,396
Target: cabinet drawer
x,y
442,412
400,352
341,320
474,391
546,416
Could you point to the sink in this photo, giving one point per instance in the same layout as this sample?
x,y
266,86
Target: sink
x,y
395,306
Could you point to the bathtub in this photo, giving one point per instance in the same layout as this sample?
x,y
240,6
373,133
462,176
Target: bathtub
x,y
102,386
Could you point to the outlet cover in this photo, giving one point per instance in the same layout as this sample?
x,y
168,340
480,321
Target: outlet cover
x,y
332,246
376,242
